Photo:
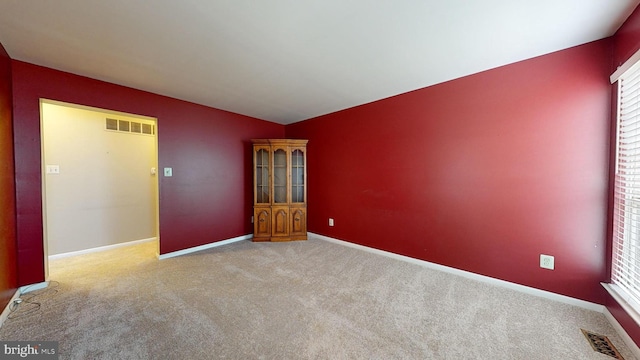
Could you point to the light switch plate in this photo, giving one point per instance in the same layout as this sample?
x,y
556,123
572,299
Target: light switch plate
x,y
168,172
53,169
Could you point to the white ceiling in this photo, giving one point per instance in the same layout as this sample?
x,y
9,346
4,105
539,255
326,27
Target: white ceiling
x,y
290,60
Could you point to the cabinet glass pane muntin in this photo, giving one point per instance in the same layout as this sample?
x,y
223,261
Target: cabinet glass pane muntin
x,y
297,176
280,176
262,176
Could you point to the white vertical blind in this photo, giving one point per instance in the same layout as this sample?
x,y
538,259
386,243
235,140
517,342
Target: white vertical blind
x,y
625,272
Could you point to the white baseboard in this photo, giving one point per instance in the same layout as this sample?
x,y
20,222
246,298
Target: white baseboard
x,y
99,249
204,247
517,287
7,309
19,292
486,279
623,334
33,287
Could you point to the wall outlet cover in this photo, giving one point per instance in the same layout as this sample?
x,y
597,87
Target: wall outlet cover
x,y
547,262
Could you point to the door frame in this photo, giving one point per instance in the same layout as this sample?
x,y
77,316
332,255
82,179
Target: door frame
x,y
44,178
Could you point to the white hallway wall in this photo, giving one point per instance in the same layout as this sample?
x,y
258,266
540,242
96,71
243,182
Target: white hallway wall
x,y
105,193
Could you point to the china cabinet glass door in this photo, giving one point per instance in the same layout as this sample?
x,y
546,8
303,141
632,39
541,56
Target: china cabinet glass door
x,y
280,176
262,176
297,176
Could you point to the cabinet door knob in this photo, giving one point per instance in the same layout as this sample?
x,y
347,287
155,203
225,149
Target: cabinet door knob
x,y
297,219
261,220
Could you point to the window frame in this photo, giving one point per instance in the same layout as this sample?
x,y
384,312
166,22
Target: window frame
x,y
629,301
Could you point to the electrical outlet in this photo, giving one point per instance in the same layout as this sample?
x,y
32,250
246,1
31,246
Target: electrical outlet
x,y
252,219
547,262
330,222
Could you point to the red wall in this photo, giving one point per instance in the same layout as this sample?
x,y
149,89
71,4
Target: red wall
x,y
209,196
627,39
483,173
8,267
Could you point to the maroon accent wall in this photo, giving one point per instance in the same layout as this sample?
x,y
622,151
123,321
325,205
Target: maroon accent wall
x,y
209,196
483,173
627,39
626,42
8,255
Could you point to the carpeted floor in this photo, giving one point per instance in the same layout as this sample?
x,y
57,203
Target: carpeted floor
x,y
300,300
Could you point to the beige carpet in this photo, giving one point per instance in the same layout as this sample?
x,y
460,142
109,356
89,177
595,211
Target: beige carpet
x,y
299,300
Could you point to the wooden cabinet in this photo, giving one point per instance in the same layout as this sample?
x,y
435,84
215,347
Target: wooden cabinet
x,y
279,190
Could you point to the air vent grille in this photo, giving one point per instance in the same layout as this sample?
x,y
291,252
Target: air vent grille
x,y
147,129
131,127
123,125
112,124
602,344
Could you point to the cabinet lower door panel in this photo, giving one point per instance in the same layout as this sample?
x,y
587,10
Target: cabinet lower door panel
x,y
262,224
280,222
298,229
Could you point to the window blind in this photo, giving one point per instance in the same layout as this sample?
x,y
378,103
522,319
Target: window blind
x,y
625,272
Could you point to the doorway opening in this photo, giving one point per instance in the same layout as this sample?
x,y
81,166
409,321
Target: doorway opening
x,y
99,179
